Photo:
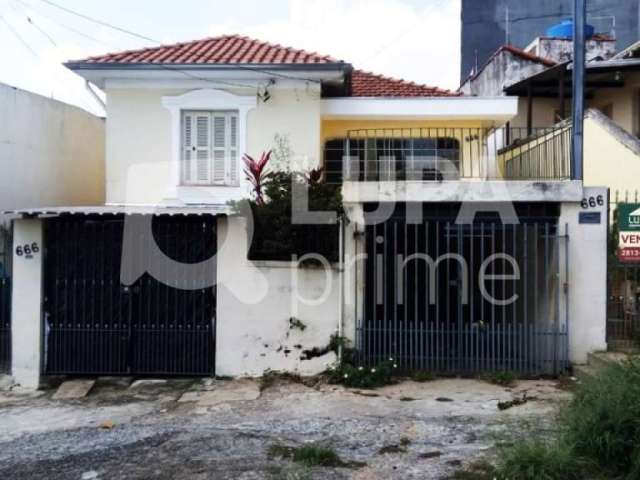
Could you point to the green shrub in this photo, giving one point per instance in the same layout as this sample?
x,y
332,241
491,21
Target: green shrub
x,y
602,422
363,377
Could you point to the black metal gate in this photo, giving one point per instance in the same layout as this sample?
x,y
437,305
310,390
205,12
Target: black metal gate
x,y
93,325
5,323
428,307
623,283
5,300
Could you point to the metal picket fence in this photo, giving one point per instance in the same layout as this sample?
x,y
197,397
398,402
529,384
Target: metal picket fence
x,y
5,299
440,332
623,305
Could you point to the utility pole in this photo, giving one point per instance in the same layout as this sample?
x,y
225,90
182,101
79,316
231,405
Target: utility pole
x,y
579,22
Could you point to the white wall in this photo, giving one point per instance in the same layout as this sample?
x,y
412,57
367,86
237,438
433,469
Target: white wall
x,y
587,277
26,305
255,301
139,137
51,153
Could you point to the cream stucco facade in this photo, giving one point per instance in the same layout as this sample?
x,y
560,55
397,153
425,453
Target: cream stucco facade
x,y
140,141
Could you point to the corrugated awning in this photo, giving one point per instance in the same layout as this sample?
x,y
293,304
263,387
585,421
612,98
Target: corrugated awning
x,y
122,210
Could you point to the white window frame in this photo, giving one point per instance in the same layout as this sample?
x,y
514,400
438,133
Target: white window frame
x,y
210,100
230,151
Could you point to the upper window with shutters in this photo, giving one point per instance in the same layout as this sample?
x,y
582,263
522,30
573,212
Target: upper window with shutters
x,y
210,149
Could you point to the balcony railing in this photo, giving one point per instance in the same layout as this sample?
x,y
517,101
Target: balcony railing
x,y
439,154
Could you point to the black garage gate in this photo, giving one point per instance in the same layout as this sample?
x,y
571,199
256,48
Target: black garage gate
x,y
443,317
95,325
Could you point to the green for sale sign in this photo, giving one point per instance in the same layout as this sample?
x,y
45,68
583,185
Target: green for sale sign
x,y
629,236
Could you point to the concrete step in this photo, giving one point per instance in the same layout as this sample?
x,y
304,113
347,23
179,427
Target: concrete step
x,y
584,372
623,346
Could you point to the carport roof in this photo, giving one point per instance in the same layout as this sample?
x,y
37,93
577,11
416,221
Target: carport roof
x,y
122,210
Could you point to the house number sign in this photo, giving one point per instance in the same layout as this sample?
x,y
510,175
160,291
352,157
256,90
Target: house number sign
x,y
27,250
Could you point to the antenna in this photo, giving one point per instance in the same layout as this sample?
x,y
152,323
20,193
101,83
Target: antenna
x,y
506,25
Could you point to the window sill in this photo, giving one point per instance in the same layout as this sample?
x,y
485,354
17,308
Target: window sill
x,y
209,194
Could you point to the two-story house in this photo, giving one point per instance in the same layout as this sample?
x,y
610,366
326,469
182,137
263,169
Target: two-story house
x,y
462,249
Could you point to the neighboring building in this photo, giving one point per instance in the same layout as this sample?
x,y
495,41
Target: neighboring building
x,y
543,87
484,24
52,153
422,173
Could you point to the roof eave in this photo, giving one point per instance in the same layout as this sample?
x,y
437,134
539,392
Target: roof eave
x,y
100,73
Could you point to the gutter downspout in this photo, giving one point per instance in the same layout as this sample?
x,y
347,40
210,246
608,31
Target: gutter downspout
x,y
95,96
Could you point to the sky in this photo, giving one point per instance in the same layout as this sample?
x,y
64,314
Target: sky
x,y
418,40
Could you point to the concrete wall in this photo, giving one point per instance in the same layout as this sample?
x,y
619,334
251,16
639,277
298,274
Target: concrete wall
x,y
587,279
255,302
503,70
51,153
611,155
139,144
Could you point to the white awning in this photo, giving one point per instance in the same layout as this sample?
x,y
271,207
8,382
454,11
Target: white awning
x,y
122,210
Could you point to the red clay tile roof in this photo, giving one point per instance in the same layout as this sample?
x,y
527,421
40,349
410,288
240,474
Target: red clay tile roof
x,y
366,84
226,49
236,49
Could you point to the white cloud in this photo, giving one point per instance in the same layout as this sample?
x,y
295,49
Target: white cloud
x,y
385,36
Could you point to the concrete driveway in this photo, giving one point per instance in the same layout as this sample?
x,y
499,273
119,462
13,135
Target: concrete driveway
x,y
215,429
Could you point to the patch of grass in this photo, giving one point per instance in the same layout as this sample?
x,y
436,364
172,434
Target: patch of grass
x,y
602,421
310,455
539,461
317,455
422,377
504,378
598,434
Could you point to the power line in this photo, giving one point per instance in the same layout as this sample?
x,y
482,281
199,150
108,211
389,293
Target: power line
x,y
62,25
163,66
159,43
100,22
18,36
32,23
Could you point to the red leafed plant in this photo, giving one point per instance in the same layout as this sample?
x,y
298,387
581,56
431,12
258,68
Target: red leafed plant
x,y
256,172
314,176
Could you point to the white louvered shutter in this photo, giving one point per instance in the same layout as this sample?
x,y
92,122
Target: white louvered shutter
x,y
233,148
220,143
203,148
187,148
